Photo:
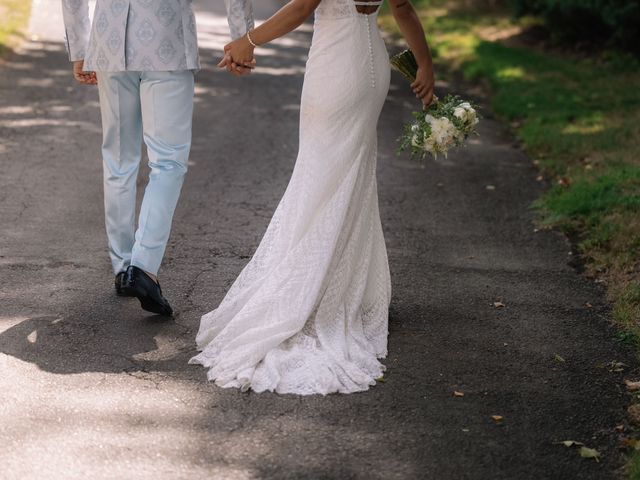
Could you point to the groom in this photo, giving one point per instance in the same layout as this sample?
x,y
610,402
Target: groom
x,y
143,55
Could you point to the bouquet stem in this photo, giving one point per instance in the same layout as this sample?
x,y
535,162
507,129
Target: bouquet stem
x,y
405,62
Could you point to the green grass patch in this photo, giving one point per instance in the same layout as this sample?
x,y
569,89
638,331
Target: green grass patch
x,y
579,120
14,16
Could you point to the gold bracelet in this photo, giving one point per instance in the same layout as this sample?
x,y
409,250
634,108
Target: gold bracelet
x,y
253,44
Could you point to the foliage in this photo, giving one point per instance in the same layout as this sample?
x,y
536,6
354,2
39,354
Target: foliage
x,y
14,15
615,21
579,119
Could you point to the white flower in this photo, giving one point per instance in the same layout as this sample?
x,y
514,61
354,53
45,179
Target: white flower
x,y
460,113
467,114
415,128
443,131
415,140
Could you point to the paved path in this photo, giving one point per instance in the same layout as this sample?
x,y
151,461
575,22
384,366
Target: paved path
x,y
91,387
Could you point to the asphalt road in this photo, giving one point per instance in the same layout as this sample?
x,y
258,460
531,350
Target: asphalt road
x,y
92,387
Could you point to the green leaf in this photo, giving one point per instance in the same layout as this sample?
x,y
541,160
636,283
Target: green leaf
x,y
590,453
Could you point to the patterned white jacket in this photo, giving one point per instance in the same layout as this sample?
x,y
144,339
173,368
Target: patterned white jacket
x,y
141,35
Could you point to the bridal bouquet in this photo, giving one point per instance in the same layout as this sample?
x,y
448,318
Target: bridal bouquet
x,y
444,124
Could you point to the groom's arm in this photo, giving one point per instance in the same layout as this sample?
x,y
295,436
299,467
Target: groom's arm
x,y
240,15
77,27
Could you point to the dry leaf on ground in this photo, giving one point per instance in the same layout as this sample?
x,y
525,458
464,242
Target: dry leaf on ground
x,y
499,304
615,366
634,413
631,385
497,418
569,443
629,442
457,393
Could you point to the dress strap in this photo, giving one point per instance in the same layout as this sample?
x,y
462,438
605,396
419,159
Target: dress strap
x,y
376,3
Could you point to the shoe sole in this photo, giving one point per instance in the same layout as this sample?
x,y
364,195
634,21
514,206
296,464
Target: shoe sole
x,y
149,305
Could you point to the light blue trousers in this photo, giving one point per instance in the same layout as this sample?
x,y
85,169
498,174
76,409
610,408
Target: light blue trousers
x,y
156,107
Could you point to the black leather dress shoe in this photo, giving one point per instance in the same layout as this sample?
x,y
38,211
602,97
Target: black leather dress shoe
x,y
138,284
120,291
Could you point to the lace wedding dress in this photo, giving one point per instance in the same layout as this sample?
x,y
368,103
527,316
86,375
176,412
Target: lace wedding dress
x,y
309,313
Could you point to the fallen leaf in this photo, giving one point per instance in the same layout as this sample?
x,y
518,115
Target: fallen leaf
x,y
490,187
456,393
497,418
569,443
619,428
590,453
615,366
381,379
564,181
629,442
634,413
465,429
559,359
632,385
499,305
539,178
588,305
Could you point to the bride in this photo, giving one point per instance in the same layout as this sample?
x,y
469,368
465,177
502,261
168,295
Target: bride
x,y
309,313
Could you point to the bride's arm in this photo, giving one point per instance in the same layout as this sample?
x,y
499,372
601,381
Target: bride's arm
x,y
411,27
287,19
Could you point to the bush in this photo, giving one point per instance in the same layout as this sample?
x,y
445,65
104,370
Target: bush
x,y
612,21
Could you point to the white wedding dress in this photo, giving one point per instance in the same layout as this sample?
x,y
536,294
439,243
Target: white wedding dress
x,y
309,313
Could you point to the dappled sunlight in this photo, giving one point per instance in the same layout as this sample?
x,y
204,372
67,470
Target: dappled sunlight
x,y
49,122
277,71
582,129
16,110
213,31
152,426
103,427
8,322
515,73
36,82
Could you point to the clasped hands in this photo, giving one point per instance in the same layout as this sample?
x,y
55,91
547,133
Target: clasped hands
x,y
238,57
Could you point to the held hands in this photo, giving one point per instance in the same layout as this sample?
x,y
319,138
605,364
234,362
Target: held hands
x,y
423,85
238,57
85,78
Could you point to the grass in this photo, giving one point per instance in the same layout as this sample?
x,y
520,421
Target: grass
x,y
14,16
578,118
